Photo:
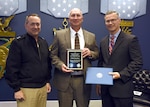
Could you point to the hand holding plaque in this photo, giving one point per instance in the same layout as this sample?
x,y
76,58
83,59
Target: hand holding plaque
x,y
74,59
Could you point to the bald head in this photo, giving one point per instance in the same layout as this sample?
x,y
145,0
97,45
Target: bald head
x,y
75,10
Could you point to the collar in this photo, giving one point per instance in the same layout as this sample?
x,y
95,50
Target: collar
x,y
117,34
80,32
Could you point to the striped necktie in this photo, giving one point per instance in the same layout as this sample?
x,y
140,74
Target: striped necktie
x,y
111,44
77,43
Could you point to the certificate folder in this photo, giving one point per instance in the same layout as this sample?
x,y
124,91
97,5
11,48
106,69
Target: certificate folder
x,y
99,75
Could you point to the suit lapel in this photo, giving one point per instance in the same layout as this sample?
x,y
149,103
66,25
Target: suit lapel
x,y
68,38
86,38
118,41
106,46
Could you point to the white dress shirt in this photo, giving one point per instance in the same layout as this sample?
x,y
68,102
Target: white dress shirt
x,y
81,38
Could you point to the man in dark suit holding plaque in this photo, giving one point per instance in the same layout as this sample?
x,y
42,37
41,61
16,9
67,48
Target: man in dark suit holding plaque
x,y
121,52
70,82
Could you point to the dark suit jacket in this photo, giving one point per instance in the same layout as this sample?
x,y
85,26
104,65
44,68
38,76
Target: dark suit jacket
x,y
126,59
62,42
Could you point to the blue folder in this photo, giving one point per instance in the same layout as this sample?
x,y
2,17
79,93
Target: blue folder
x,y
99,75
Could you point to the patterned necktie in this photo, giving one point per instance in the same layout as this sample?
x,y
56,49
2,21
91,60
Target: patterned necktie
x,y
111,44
77,43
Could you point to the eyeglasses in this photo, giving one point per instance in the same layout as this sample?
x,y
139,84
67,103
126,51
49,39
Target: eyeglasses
x,y
112,21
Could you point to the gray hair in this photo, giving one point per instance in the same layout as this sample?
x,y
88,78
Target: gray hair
x,y
33,14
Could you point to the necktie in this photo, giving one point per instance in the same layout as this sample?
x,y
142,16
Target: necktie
x,y
111,44
77,43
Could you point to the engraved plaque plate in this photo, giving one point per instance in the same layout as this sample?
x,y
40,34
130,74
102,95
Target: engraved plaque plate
x,y
74,59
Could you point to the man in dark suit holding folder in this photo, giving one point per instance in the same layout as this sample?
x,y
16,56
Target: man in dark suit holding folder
x,y
121,52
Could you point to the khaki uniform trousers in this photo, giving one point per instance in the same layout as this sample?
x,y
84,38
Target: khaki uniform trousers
x,y
34,97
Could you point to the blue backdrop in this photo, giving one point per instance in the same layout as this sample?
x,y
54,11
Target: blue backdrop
x,y
93,21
